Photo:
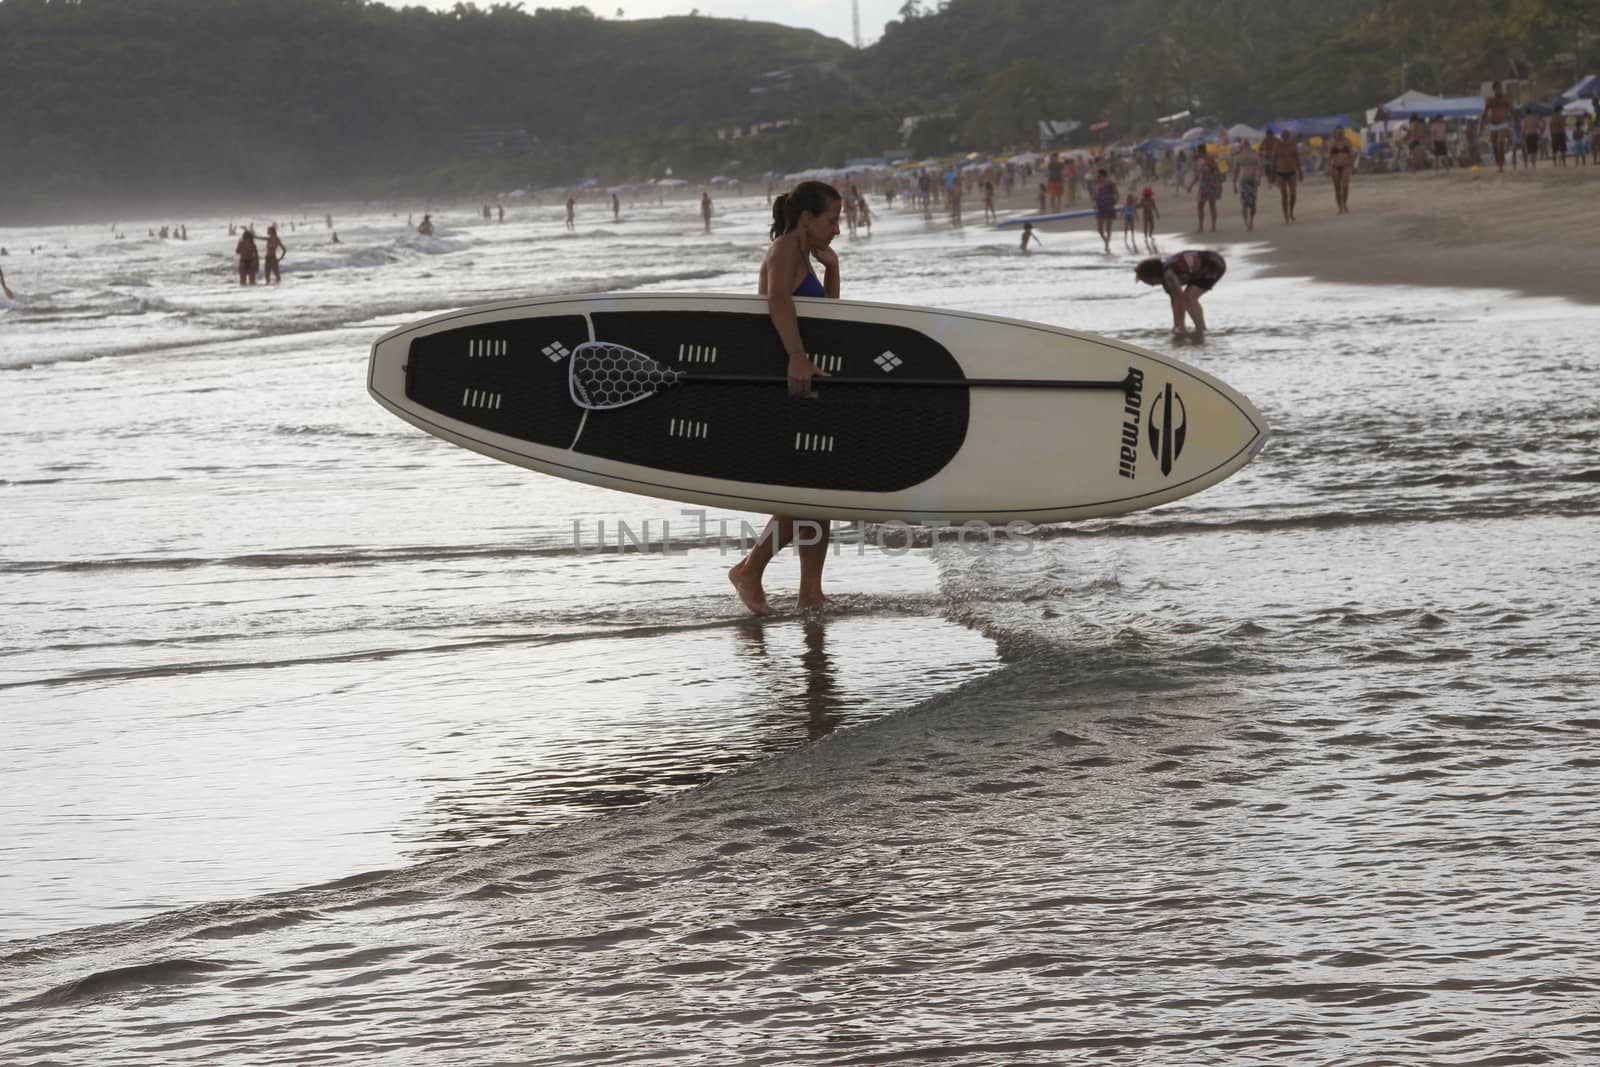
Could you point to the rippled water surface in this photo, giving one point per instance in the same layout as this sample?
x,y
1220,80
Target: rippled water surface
x,y
326,743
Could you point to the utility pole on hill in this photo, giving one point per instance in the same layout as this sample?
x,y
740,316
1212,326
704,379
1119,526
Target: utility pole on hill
x,y
855,22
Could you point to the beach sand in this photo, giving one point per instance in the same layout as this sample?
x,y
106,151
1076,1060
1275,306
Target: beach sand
x,y
1526,231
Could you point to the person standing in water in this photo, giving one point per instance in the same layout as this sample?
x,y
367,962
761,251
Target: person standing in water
x,y
248,257
275,253
425,227
705,210
572,212
616,208
804,223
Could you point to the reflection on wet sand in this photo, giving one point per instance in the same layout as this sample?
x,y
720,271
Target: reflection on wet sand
x,y
820,705
572,748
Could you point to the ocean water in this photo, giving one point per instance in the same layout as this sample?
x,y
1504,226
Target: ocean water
x,y
327,742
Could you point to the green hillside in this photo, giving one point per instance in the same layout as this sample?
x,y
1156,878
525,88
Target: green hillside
x,y
162,99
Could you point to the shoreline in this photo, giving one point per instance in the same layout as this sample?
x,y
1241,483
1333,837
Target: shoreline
x,y
1521,231
1526,232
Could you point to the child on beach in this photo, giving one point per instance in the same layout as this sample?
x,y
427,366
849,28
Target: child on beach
x,y
1027,235
1130,208
1147,208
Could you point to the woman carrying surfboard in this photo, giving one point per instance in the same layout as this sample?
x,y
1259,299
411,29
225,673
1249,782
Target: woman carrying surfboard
x,y
804,223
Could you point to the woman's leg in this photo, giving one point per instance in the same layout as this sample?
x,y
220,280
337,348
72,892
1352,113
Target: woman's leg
x,y
1191,299
813,537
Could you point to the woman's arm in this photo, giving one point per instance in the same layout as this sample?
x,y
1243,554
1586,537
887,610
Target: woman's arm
x,y
830,271
779,276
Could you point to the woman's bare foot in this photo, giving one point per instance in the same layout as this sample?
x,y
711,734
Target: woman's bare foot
x,y
808,601
749,589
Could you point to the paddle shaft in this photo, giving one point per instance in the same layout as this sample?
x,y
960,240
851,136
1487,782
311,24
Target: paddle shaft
x,y
1119,384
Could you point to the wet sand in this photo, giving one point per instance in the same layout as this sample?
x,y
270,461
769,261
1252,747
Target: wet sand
x,y
1523,231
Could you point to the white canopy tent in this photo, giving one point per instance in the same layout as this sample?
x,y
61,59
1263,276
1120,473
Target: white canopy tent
x,y
1422,105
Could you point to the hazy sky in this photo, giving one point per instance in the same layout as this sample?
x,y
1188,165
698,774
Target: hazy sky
x,y
831,17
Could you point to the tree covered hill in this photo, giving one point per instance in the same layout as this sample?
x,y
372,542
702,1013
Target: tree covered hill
x,y
124,96
1000,64
139,99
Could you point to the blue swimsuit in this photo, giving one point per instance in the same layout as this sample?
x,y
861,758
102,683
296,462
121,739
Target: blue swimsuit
x,y
810,287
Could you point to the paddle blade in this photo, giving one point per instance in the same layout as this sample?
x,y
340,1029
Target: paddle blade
x,y
603,377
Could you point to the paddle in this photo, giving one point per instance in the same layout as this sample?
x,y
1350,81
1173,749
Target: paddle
x,y
603,377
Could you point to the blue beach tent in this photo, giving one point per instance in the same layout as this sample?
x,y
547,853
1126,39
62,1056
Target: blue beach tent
x,y
1316,126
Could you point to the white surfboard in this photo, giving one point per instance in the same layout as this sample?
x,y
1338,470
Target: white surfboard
x,y
930,415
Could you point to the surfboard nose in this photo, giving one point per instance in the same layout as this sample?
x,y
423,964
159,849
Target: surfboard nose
x,y
1178,427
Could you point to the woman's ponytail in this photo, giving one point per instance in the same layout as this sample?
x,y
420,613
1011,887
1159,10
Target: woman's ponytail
x,y
780,224
815,197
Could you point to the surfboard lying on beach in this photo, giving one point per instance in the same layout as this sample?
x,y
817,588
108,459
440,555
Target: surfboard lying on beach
x,y
929,415
1056,217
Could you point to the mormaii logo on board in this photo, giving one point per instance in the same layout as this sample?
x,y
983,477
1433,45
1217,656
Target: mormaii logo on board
x,y
1132,400
1169,422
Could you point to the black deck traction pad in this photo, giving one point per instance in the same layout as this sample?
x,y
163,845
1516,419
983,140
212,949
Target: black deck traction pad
x,y
508,377
848,438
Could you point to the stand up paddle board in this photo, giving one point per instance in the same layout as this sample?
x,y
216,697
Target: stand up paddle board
x,y
928,416
1037,219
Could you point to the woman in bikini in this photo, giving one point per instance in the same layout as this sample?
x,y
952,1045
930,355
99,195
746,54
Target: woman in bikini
x,y
249,257
275,253
1341,164
804,223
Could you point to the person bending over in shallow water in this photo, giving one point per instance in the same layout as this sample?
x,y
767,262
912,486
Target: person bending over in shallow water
x,y
1185,277
804,223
